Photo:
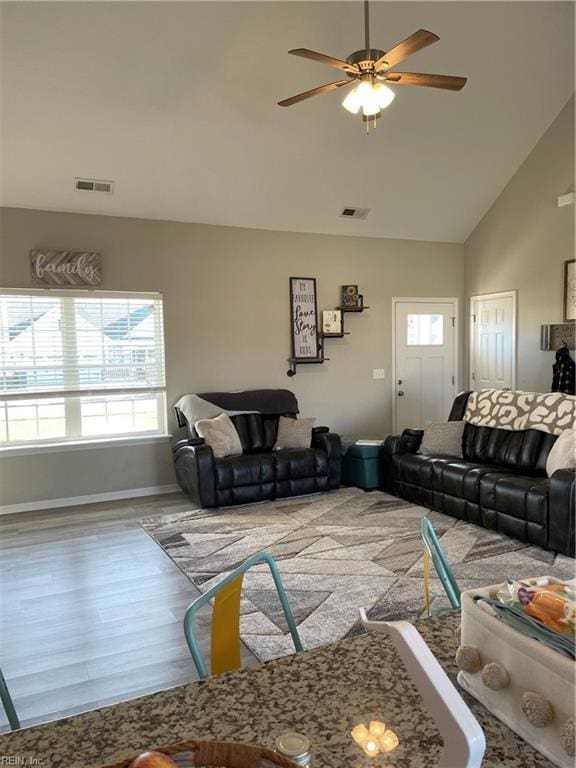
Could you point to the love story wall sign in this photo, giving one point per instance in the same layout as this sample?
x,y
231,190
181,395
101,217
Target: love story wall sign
x,y
304,319
65,268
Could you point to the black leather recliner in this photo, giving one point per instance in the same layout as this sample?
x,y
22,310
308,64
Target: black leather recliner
x,y
260,473
500,483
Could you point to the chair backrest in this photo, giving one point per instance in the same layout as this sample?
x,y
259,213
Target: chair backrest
x,y
441,566
8,704
464,740
225,631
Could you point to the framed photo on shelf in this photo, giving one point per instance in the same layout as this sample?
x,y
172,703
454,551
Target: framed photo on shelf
x,y
332,322
350,296
569,290
304,320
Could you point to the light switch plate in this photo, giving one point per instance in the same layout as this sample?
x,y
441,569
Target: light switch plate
x,y
378,373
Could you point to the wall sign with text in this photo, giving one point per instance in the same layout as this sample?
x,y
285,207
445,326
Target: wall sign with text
x,y
65,268
304,319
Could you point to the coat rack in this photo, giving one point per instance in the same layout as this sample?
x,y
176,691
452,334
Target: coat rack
x,y
553,336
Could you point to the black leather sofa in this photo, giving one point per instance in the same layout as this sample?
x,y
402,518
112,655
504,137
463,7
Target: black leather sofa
x,y
500,483
260,473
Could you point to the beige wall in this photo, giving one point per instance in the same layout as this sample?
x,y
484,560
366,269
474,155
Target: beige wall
x,y
227,323
522,243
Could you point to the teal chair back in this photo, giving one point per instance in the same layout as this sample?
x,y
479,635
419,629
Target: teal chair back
x,y
225,631
8,704
433,550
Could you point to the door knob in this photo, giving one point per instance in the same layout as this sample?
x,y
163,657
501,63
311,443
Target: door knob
x,y
400,394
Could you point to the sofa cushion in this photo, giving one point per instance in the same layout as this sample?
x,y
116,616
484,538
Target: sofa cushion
x,y
517,496
308,462
461,478
525,451
252,469
257,432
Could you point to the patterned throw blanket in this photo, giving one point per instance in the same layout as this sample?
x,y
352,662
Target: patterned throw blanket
x,y
552,413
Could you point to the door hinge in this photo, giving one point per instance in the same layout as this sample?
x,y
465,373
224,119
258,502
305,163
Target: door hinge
x,y
474,317
473,376
453,321
453,382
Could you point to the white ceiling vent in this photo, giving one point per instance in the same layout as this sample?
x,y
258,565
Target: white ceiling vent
x,y
351,212
94,185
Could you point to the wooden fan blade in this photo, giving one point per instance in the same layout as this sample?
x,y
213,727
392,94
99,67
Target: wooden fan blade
x,y
323,59
314,92
412,44
447,82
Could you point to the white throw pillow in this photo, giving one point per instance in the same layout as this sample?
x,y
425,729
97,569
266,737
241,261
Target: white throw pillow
x,y
293,433
563,453
221,435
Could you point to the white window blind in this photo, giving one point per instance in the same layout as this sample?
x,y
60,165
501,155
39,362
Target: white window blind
x,y
88,355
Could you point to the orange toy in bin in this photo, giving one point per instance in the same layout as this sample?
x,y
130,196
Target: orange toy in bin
x,y
553,604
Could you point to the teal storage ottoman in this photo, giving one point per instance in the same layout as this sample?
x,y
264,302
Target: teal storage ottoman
x,y
361,466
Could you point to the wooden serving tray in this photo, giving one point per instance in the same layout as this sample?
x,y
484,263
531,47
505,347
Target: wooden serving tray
x,y
188,754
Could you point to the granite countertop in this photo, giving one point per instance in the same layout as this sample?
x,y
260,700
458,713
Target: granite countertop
x,y
322,693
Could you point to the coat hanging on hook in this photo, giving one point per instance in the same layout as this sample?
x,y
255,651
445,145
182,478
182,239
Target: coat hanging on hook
x,y
564,371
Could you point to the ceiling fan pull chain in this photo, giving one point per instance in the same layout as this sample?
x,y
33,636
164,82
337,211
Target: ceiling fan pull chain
x,y
367,28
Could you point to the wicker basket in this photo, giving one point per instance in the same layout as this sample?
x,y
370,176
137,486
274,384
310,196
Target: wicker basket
x,y
217,753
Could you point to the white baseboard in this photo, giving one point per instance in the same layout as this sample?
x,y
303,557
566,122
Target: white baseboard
x,y
91,498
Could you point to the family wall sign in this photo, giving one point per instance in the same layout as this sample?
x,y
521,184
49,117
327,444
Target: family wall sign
x,y
65,268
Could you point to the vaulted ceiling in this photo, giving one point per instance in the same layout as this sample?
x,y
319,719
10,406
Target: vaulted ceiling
x,y
176,102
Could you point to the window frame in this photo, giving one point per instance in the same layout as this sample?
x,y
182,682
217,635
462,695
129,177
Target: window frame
x,y
72,398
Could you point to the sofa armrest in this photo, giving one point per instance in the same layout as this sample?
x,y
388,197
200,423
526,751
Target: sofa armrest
x,y
561,511
194,467
395,445
180,439
331,444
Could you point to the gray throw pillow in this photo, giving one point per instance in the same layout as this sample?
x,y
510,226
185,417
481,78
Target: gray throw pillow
x,y
221,435
293,433
443,438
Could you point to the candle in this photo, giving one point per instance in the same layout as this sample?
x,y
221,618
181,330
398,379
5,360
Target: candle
x,y
371,747
388,741
377,729
360,734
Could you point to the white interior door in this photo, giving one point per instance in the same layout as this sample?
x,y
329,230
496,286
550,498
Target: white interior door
x,y
493,341
424,360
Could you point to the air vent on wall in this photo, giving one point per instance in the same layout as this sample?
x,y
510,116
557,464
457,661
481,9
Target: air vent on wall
x,y
94,185
354,213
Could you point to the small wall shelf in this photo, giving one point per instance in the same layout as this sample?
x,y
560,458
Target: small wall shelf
x,y
295,362
321,337
335,335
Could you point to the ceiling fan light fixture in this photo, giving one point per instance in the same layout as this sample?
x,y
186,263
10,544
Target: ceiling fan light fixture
x,y
369,97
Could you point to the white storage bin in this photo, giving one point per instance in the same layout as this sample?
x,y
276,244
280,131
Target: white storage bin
x,y
531,666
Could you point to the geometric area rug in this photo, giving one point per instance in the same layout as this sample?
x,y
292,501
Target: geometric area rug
x,y
337,552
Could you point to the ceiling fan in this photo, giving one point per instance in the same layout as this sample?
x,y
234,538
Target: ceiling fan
x,y
371,68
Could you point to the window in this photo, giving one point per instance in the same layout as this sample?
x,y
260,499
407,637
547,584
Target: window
x,y
80,365
423,330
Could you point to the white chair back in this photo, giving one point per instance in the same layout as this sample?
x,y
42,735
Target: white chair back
x,y
464,742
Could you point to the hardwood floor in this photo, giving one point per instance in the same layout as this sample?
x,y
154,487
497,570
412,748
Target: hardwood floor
x,y
91,609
